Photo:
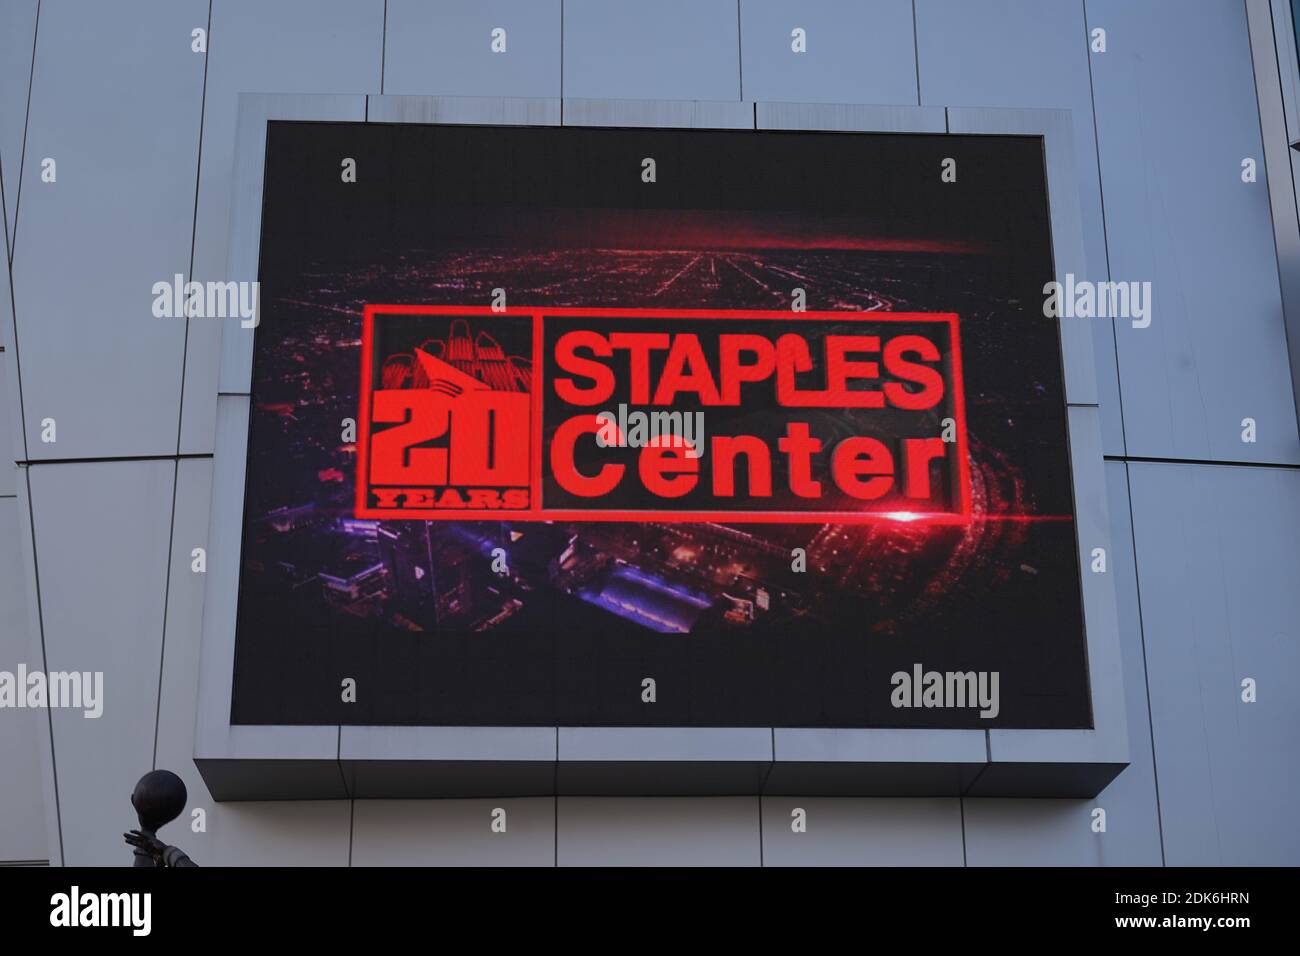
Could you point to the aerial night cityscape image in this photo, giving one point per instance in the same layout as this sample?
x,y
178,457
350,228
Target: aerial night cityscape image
x,y
570,602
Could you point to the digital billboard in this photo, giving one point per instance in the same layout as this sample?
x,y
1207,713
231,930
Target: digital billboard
x,y
624,427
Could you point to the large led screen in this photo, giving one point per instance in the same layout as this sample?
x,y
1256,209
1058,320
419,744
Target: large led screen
x,y
627,427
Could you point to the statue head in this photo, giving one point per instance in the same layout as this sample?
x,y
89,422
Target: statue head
x,y
158,798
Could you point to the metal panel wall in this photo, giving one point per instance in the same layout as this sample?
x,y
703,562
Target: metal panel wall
x,y
22,824
1217,556
852,53
1176,116
669,50
869,832
22,819
454,833
661,831
101,532
113,107
1277,82
17,36
298,833
454,49
10,447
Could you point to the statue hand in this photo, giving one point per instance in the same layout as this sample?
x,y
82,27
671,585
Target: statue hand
x,y
147,842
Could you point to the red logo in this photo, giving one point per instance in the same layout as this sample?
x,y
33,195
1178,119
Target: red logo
x,y
533,414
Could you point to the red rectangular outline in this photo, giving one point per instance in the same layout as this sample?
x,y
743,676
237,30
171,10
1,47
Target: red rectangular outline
x,y
536,513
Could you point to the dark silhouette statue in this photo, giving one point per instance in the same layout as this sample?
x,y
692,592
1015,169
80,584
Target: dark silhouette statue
x,y
158,798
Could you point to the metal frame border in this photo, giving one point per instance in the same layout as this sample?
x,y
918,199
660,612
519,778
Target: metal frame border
x,y
1277,89
311,762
